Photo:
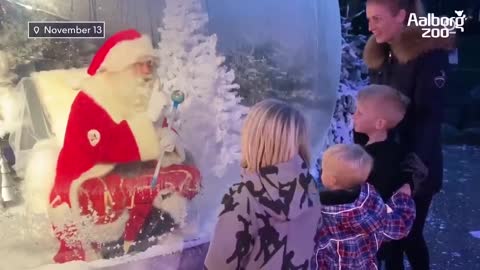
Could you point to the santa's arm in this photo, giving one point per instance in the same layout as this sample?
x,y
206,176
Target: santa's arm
x,y
129,140
145,136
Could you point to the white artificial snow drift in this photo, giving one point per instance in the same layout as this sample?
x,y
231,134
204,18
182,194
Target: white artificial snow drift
x,y
27,243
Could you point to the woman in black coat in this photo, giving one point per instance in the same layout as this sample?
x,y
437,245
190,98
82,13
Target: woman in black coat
x,y
398,55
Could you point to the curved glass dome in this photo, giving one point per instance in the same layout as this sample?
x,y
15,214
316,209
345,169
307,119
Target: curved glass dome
x,y
220,56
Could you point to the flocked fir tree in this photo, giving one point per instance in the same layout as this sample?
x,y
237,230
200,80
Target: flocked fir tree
x,y
210,117
352,77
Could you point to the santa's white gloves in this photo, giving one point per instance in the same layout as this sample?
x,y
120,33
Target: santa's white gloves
x,y
174,152
157,104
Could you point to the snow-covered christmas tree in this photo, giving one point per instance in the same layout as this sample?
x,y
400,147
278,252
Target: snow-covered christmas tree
x,y
210,118
352,78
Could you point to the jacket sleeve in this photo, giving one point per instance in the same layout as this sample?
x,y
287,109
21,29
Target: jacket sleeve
x,y
431,81
234,233
413,171
133,139
399,217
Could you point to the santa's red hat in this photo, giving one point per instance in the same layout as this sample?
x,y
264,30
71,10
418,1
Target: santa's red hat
x,y
121,50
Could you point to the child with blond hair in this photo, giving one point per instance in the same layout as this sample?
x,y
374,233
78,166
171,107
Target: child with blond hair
x,y
355,218
268,220
381,108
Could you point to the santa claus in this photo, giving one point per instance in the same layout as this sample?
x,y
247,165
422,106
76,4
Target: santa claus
x,y
102,190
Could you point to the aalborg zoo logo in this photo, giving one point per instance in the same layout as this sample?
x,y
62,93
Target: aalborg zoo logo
x,y
438,27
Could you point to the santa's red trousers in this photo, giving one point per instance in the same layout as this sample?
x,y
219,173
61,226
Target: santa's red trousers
x,y
106,199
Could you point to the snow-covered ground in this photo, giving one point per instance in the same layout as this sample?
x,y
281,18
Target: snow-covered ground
x,y
26,241
455,213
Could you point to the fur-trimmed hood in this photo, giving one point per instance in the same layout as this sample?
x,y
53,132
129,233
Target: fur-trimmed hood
x,y
409,46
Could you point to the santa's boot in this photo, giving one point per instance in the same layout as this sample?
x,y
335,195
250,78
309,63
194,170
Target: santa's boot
x,y
68,253
158,222
112,249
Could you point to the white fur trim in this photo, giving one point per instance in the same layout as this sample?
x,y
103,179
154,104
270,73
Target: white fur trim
x,y
127,53
56,90
104,232
95,171
60,215
145,136
111,231
102,90
91,254
40,175
175,205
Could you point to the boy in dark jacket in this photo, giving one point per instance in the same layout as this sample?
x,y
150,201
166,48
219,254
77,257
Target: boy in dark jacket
x,y
380,108
355,219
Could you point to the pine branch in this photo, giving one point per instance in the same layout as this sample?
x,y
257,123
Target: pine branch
x,y
353,76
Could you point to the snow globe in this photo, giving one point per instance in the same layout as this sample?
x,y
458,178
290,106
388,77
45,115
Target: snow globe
x,y
209,60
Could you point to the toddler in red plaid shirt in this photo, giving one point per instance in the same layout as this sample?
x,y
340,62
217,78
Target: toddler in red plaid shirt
x,y
355,218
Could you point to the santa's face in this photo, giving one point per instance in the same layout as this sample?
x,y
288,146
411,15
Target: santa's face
x,y
146,74
138,82
145,68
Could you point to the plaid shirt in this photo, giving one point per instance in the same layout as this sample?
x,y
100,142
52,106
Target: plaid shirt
x,y
352,233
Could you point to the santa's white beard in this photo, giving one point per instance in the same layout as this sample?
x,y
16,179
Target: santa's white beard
x,y
144,91
133,91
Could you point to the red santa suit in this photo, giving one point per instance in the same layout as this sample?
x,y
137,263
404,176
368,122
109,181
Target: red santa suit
x,y
102,132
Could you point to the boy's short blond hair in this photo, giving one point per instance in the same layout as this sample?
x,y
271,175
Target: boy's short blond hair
x,y
389,103
349,164
273,133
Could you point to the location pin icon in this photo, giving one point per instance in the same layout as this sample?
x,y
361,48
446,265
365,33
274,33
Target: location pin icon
x,y
36,29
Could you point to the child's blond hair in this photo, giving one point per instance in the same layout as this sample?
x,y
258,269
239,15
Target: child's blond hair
x,y
273,132
349,164
389,103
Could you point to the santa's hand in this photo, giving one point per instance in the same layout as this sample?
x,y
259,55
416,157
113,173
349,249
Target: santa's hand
x,y
157,105
170,144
